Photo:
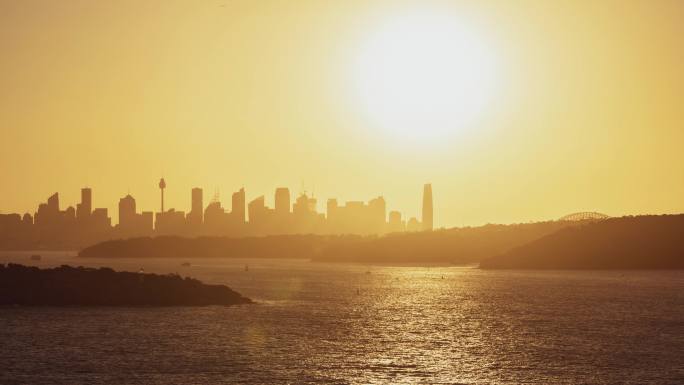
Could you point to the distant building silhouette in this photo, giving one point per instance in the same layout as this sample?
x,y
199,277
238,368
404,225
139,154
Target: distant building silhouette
x,y
196,215
130,222
261,218
355,217
53,203
413,225
127,212
282,201
332,211
377,211
48,213
170,222
162,186
427,208
306,219
255,210
215,220
27,220
84,208
50,227
302,206
69,215
100,219
282,219
146,222
395,223
238,206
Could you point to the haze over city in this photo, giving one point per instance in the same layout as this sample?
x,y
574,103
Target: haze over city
x,y
577,105
342,192
54,226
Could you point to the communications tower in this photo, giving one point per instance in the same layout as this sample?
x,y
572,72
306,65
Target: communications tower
x,y
162,186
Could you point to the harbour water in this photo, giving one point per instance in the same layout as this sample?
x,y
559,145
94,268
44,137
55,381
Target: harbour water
x,y
358,324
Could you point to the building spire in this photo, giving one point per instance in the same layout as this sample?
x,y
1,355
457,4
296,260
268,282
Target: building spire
x,y
427,207
162,186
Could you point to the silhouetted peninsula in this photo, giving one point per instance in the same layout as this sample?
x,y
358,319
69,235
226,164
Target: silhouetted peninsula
x,y
78,286
642,242
275,246
458,245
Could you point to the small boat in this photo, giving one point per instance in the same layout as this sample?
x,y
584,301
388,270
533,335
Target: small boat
x,y
36,257
246,267
185,264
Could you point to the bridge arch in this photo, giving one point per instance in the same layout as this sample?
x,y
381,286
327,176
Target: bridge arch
x,y
584,216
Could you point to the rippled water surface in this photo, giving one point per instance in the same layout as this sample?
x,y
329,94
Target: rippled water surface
x,y
336,323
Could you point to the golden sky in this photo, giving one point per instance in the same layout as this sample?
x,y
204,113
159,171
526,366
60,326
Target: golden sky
x,y
585,110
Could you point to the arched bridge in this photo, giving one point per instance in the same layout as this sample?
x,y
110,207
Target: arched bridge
x,y
584,216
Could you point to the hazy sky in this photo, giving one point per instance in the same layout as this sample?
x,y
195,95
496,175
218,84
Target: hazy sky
x,y
584,109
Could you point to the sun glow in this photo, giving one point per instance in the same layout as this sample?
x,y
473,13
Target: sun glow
x,y
425,75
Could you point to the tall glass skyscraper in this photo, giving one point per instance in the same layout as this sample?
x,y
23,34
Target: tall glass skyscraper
x,y
427,207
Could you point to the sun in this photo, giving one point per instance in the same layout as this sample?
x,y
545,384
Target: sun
x,y
424,76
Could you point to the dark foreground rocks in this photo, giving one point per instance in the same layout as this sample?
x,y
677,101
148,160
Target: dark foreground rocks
x,y
79,286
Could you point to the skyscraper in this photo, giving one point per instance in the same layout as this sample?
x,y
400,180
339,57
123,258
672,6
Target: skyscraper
x,y
84,208
304,205
378,212
214,216
238,210
256,211
282,201
395,223
53,202
196,215
412,225
101,220
331,209
427,207
127,214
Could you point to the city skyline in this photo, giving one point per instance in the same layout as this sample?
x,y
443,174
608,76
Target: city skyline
x,y
269,93
54,224
281,202
352,192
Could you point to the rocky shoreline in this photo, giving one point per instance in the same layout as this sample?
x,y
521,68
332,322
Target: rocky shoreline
x,y
80,286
